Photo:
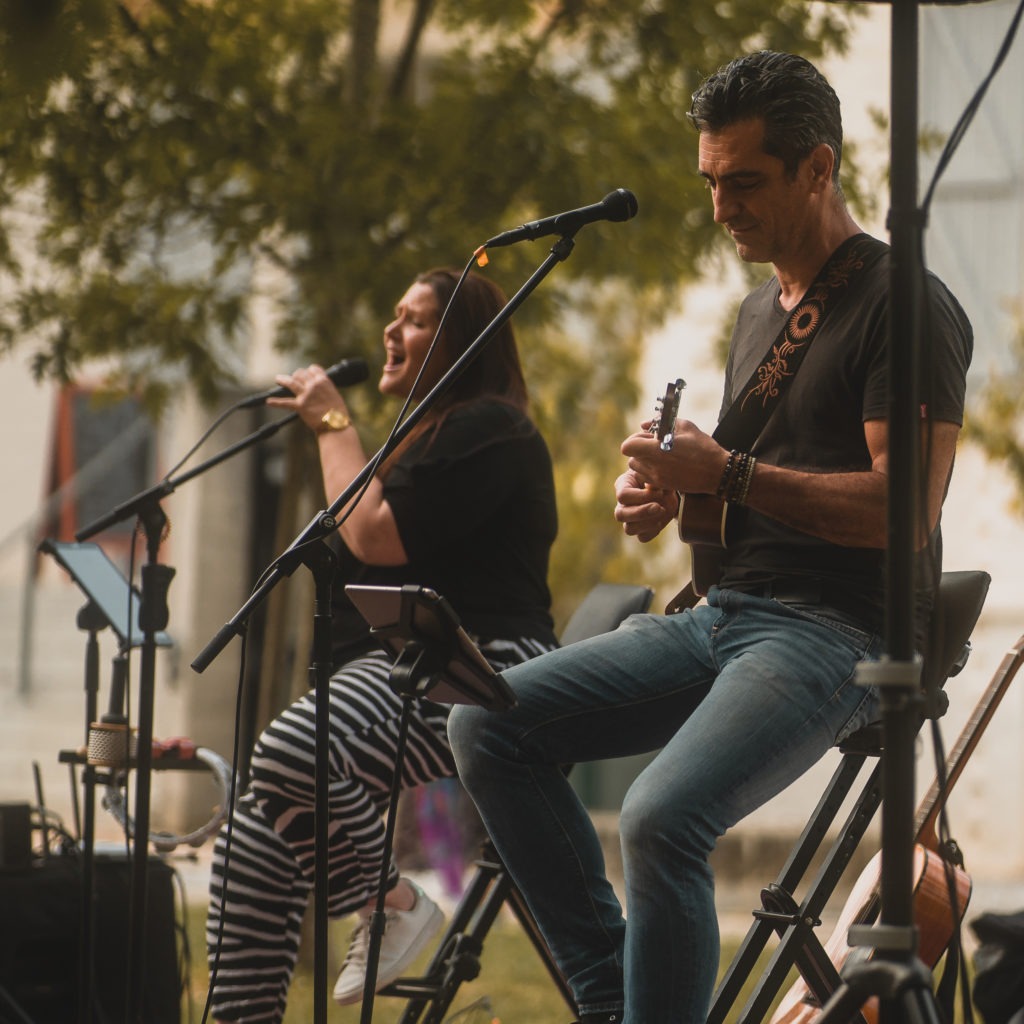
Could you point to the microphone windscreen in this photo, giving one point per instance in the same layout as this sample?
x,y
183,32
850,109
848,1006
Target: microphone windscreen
x,y
348,372
344,374
621,204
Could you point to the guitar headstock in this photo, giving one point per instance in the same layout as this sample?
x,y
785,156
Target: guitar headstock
x,y
665,411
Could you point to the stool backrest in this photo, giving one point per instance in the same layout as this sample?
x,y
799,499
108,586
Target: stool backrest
x,y
604,607
958,603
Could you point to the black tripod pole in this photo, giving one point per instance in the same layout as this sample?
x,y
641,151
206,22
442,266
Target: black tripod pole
x,y
322,563
901,693
153,616
896,976
378,918
411,676
93,620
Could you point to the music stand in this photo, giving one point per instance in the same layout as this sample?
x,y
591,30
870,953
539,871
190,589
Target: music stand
x,y
434,655
103,583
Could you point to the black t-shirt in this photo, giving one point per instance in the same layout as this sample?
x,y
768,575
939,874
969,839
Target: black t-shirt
x,y
474,502
818,425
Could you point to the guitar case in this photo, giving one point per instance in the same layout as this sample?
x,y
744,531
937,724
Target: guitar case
x,y
999,967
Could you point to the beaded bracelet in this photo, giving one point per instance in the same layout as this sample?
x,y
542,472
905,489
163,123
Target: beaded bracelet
x,y
737,478
726,481
734,485
743,478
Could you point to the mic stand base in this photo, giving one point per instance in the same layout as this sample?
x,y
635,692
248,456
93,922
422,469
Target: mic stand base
x,y
903,987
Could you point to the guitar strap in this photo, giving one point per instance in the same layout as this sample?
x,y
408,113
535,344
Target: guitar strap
x,y
744,420
746,417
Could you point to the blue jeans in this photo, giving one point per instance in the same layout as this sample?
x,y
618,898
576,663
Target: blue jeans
x,y
741,696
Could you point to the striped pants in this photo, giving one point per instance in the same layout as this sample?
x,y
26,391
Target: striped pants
x,y
263,858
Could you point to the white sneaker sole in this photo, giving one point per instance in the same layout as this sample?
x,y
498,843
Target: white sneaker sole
x,y
347,996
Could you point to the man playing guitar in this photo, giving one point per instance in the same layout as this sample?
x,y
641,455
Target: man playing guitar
x,y
742,693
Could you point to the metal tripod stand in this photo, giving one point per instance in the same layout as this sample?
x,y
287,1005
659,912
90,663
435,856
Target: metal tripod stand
x,y
895,974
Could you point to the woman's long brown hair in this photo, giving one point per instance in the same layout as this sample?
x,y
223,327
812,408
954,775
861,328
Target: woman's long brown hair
x,y
495,372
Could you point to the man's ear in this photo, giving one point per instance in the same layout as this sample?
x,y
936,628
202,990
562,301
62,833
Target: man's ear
x,y
820,162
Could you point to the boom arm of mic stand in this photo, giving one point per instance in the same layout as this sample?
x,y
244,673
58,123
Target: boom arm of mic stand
x,y
324,523
158,491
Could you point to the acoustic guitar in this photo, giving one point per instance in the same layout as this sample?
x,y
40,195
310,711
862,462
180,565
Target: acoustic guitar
x,y
933,910
703,518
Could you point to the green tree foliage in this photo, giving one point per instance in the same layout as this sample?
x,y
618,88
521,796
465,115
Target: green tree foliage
x,y
994,418
163,162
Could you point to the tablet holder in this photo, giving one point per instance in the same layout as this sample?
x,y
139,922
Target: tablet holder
x,y
432,650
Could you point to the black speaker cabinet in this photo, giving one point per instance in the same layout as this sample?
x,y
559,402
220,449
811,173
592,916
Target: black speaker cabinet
x,y
40,943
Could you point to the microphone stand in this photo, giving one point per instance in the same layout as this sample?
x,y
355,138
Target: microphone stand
x,y
318,529
153,617
91,619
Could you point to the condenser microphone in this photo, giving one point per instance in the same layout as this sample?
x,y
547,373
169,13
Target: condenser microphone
x,y
111,743
344,374
618,205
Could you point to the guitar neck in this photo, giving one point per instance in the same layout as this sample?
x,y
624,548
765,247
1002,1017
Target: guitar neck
x,y
931,805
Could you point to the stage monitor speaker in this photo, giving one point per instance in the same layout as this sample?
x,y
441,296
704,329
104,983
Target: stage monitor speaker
x,y
40,942
15,836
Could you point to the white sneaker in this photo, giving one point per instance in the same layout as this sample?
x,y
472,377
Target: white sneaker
x,y
406,934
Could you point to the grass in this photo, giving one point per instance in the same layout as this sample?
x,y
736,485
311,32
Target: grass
x,y
513,984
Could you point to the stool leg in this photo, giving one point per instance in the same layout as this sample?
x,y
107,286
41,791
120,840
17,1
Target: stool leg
x,y
745,961
457,957
799,945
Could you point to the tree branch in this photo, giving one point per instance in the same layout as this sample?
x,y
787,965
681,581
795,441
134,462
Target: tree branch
x,y
407,56
365,31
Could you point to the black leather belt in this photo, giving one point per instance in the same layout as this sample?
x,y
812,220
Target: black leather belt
x,y
817,592
788,591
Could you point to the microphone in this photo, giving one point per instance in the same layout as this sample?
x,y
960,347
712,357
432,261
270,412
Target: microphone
x,y
618,205
111,743
344,374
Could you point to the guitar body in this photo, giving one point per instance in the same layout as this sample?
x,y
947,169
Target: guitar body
x,y
933,915
703,520
704,526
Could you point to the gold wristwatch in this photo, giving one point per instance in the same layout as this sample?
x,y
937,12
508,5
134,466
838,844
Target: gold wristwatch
x,y
333,419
